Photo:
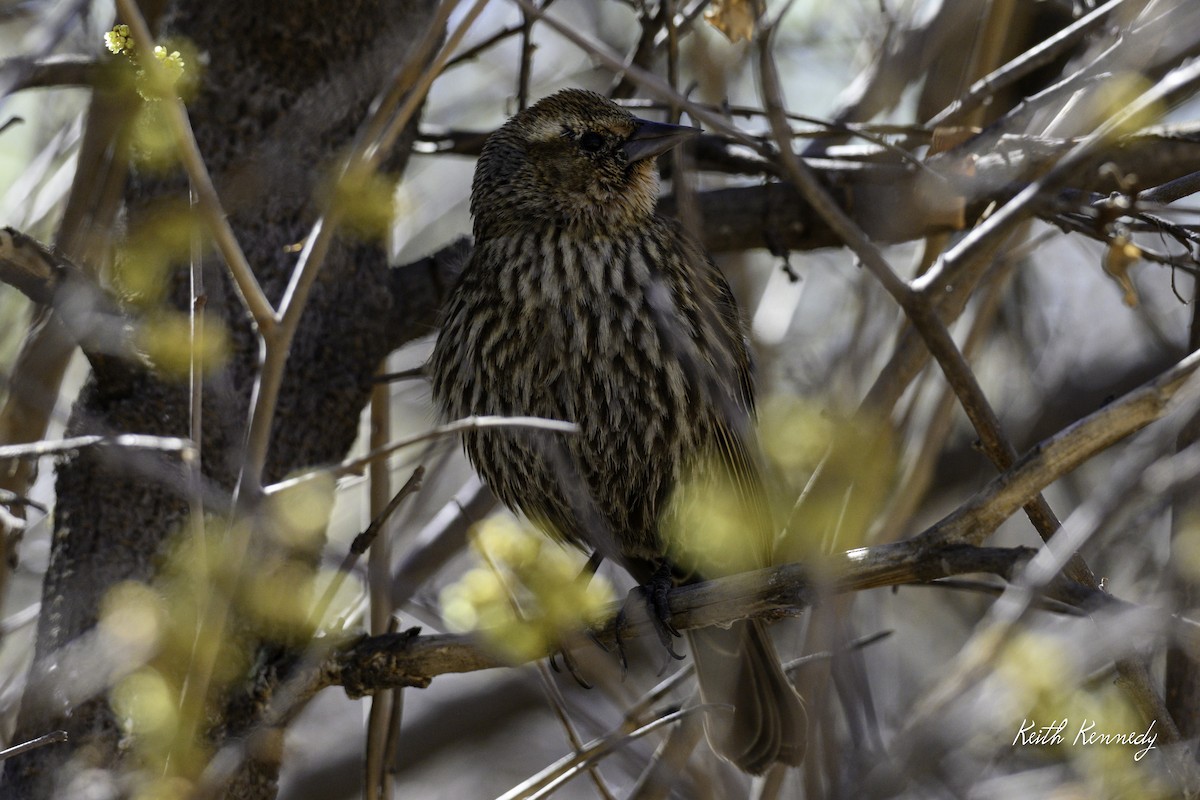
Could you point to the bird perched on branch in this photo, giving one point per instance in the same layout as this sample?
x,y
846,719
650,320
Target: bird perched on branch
x,y
579,303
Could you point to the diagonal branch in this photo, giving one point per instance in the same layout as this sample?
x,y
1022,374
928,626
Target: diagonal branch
x,y
1050,459
917,308
1022,65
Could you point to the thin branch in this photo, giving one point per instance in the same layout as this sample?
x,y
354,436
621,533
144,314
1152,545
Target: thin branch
x,y
373,142
491,41
198,300
30,268
249,290
965,258
995,590
355,466
642,54
1169,192
414,374
137,441
20,619
525,72
441,539
376,775
33,744
1050,459
361,544
12,499
58,71
553,776
1038,56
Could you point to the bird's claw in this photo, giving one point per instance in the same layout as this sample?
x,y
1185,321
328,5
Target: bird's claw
x,y
658,594
571,665
655,593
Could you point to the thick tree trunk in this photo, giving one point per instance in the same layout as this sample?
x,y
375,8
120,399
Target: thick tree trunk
x,y
284,90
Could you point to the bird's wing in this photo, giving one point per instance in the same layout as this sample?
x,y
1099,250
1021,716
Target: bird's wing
x,y
721,349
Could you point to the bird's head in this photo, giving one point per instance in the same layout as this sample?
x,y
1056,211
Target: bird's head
x,y
574,159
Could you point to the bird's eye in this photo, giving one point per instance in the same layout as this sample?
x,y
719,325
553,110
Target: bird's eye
x,y
591,142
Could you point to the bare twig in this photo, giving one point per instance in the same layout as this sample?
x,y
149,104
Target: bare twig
x,y
491,41
962,261
376,776
1183,186
24,617
526,68
362,543
138,441
1022,65
355,466
414,374
57,71
440,540
553,776
1052,458
918,309
12,499
33,744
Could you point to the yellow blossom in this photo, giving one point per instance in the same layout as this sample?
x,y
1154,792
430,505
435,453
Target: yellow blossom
x,y
118,40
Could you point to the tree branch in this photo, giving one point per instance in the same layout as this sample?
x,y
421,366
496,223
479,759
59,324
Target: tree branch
x,y
47,277
410,659
1050,459
56,72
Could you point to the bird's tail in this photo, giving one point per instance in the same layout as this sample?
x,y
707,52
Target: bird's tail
x,y
758,719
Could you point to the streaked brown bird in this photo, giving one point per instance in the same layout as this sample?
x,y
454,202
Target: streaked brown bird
x,y
579,303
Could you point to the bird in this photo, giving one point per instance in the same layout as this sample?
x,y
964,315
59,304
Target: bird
x,y
580,303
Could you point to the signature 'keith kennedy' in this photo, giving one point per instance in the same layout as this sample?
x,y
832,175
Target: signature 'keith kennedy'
x,y
1086,734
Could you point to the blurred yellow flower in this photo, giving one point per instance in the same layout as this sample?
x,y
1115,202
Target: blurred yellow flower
x,y
527,595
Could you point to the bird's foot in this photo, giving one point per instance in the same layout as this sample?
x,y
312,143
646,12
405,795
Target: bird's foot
x,y
656,594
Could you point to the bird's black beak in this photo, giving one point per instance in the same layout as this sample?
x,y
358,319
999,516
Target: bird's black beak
x,y
650,139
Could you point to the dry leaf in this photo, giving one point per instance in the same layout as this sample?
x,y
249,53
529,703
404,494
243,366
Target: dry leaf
x,y
734,18
1120,256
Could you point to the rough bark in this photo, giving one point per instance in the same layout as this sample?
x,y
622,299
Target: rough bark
x,y
285,89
